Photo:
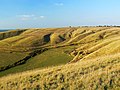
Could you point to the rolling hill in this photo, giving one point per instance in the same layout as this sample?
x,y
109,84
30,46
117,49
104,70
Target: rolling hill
x,y
69,58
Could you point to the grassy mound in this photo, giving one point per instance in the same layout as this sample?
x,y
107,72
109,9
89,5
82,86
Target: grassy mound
x,y
56,38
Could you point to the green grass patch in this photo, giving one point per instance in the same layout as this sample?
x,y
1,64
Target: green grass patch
x,y
7,58
52,57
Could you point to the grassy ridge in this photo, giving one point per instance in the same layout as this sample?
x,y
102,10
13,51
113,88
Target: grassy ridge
x,y
35,37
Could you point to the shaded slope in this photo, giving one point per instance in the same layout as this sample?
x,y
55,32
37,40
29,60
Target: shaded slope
x,y
8,34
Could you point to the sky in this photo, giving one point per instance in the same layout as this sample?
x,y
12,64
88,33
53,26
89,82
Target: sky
x,y
58,13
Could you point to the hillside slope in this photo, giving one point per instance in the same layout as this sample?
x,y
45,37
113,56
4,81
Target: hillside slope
x,y
96,74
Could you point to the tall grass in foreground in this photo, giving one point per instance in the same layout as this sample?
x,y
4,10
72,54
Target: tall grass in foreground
x,y
97,74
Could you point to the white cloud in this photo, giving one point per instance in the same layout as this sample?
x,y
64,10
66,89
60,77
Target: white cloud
x,y
42,16
59,4
29,17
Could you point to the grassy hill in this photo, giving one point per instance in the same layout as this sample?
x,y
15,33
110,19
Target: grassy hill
x,y
95,74
69,58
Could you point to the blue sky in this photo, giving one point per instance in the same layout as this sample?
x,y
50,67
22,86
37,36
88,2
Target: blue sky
x,y
58,13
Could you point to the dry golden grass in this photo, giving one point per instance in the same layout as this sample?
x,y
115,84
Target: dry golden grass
x,y
101,73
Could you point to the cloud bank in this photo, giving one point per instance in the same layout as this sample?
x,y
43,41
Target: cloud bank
x,y
30,17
